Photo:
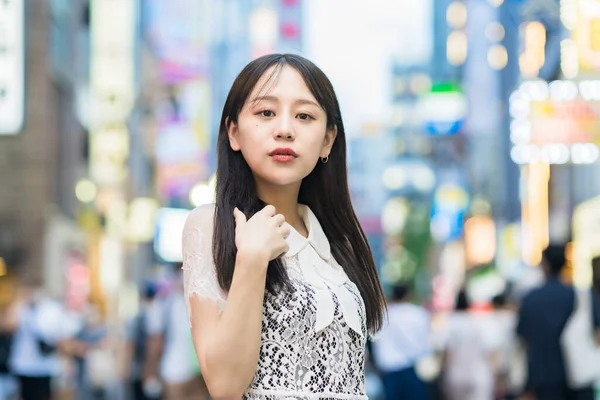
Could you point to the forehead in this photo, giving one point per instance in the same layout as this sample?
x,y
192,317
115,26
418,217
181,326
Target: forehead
x,y
282,82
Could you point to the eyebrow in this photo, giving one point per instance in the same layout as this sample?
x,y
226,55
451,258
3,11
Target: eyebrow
x,y
275,99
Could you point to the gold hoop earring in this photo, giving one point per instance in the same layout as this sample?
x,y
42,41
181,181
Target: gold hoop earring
x,y
324,160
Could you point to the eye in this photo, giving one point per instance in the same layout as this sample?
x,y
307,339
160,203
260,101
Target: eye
x,y
267,113
304,116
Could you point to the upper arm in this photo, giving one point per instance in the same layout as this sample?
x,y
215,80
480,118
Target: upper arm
x,y
204,297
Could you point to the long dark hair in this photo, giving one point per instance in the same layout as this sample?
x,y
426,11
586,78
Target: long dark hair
x,y
324,190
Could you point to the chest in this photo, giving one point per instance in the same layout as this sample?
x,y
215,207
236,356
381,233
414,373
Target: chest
x,y
294,315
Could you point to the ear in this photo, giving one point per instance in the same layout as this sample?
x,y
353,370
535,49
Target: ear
x,y
232,132
330,136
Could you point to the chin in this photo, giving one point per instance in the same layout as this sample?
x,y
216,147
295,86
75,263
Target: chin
x,y
281,178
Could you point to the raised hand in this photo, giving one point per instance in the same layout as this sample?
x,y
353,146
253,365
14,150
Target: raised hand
x,y
263,235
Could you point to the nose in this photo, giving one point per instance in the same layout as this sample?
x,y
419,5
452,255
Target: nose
x,y
284,129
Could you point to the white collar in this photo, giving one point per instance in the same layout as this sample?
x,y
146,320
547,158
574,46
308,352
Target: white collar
x,y
316,237
326,281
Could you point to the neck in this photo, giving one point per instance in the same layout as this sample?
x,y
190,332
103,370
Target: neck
x,y
285,201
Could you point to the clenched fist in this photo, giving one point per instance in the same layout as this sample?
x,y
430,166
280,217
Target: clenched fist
x,y
262,236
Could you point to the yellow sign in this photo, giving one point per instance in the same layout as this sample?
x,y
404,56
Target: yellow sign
x,y
587,35
586,240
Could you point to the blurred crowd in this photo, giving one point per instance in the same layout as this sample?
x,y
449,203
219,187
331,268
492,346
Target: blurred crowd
x,y
525,344
50,352
513,347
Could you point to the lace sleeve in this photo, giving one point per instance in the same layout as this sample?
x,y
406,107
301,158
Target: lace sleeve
x,y
199,273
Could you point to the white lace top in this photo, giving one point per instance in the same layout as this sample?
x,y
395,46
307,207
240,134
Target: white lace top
x,y
313,339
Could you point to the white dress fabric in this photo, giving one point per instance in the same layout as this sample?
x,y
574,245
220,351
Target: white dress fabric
x,y
313,338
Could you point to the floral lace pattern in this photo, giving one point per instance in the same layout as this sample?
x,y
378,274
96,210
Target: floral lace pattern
x,y
199,274
296,362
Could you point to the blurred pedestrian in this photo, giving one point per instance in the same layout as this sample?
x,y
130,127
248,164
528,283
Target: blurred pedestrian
x,y
40,332
137,344
91,338
169,347
468,360
401,343
8,326
543,316
508,361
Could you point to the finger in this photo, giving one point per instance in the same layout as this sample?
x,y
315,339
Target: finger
x,y
268,210
284,231
284,249
278,219
240,217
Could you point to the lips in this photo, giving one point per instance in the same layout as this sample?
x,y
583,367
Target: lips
x,y
283,151
283,155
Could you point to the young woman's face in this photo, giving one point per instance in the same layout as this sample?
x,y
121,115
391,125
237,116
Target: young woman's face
x,y
281,131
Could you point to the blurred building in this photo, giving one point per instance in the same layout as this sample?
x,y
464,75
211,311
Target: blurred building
x,y
43,155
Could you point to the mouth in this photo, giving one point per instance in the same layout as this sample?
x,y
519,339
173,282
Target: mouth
x,y
283,155
283,151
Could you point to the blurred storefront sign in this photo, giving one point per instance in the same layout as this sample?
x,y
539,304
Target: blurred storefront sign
x,y
169,228
291,13
264,31
112,96
112,64
586,240
450,203
556,123
109,150
180,34
183,140
112,84
12,66
480,240
508,258
586,33
534,211
78,282
409,175
443,110
111,264
140,225
64,247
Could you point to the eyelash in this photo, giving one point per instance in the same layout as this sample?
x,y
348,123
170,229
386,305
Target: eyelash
x,y
262,113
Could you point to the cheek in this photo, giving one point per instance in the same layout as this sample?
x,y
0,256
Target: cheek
x,y
252,134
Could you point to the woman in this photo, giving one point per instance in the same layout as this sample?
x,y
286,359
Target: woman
x,y
282,289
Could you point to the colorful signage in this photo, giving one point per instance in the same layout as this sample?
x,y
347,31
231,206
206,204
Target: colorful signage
x,y
12,66
443,110
556,123
179,32
586,34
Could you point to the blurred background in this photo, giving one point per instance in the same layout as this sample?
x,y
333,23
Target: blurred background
x,y
473,138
